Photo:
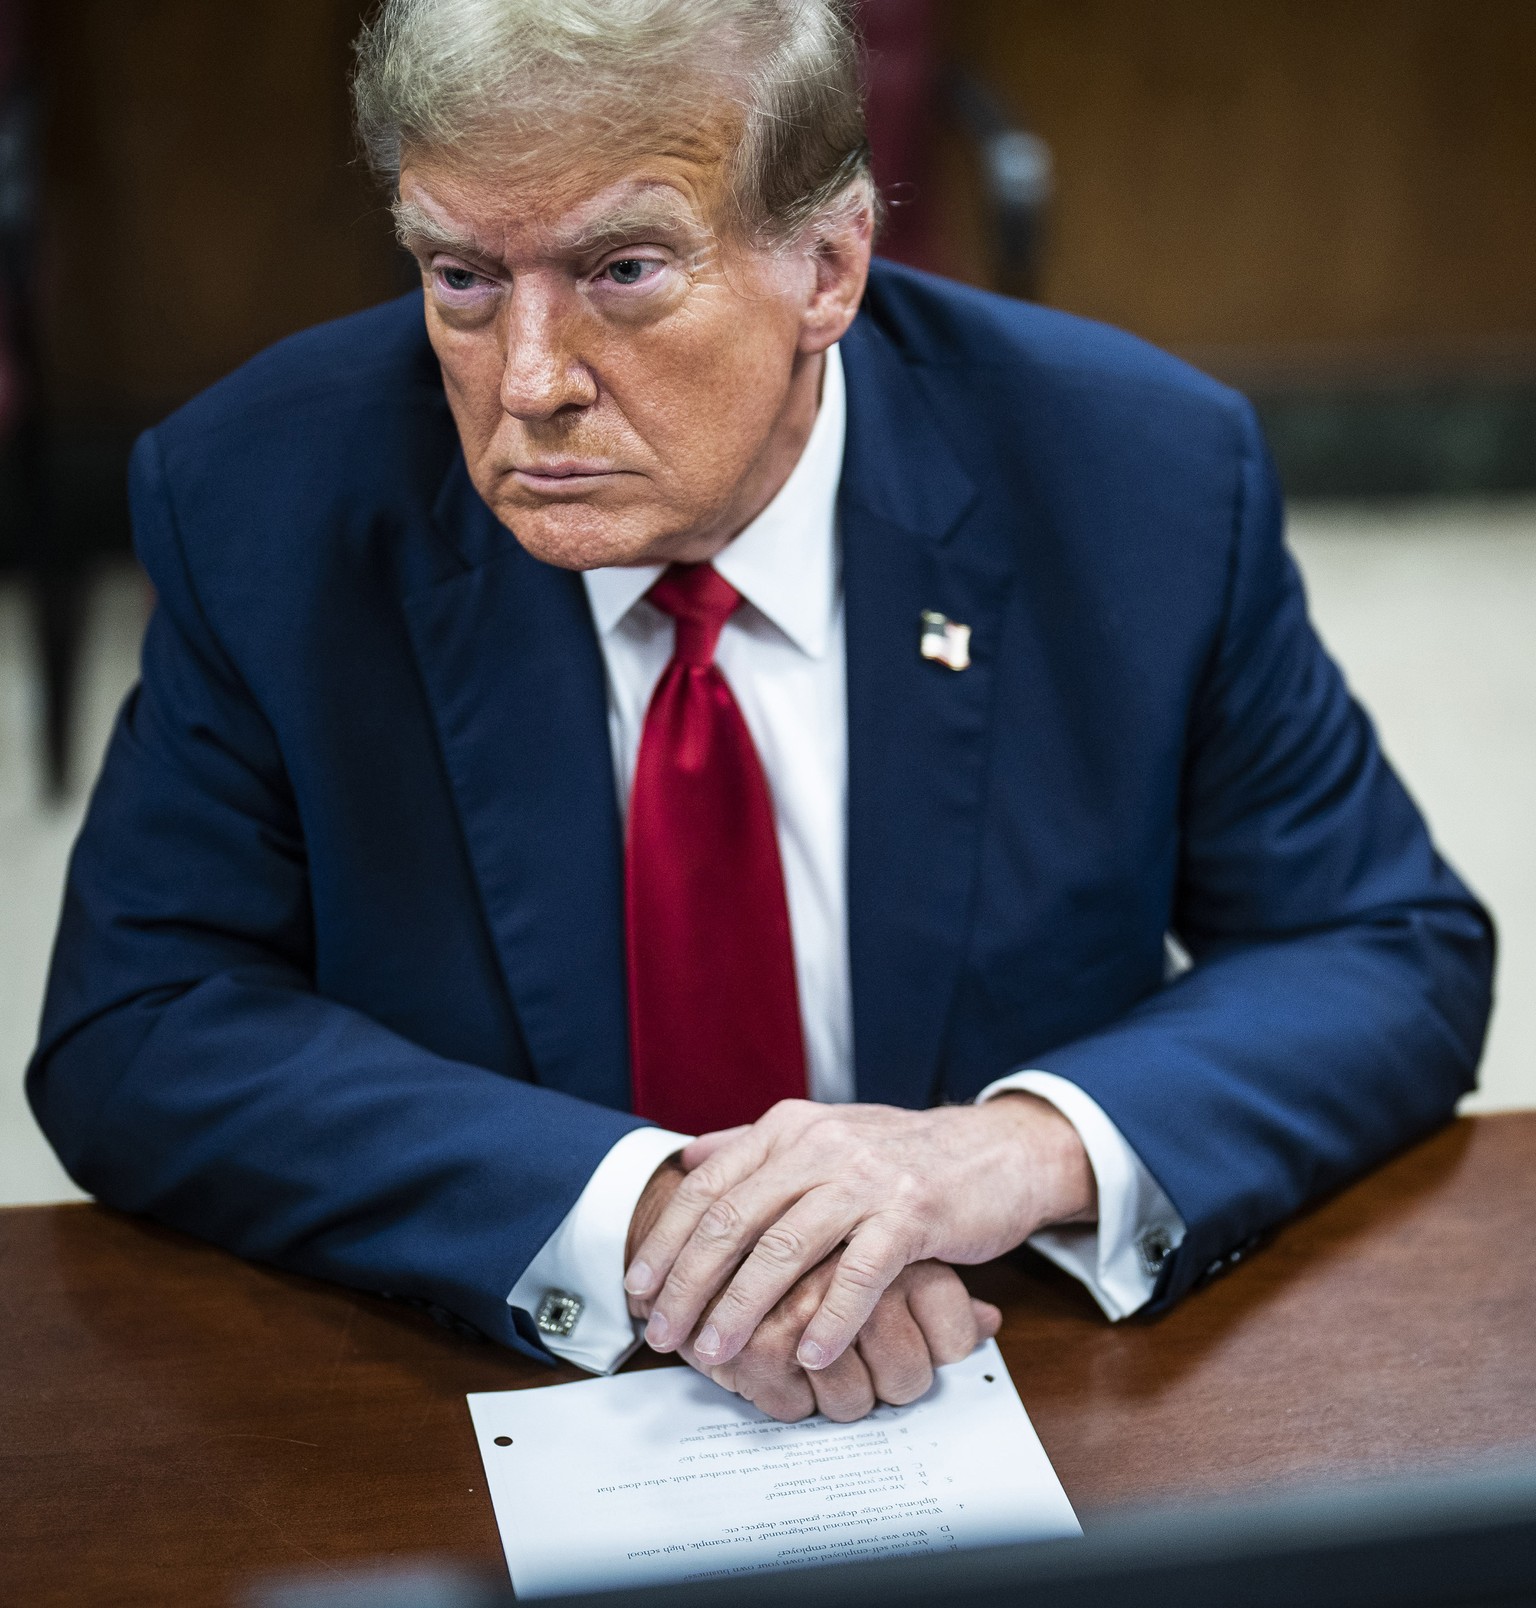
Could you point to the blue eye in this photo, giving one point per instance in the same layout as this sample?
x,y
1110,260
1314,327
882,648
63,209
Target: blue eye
x,y
458,278
628,270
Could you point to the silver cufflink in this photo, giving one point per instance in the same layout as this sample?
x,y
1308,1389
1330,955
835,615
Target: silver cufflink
x,y
558,1313
944,640
1155,1248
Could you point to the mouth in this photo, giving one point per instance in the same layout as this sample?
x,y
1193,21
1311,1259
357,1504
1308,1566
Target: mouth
x,y
560,476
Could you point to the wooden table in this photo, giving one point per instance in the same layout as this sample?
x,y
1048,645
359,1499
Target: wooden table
x,y
174,1422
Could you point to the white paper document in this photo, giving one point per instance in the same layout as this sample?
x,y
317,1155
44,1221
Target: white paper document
x,y
660,1476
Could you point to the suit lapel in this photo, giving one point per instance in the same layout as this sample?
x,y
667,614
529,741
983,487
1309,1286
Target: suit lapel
x,y
918,731
514,674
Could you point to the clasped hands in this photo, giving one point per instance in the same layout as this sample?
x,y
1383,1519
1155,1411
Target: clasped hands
x,y
803,1262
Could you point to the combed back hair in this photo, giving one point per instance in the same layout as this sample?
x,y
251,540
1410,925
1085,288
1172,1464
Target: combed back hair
x,y
446,75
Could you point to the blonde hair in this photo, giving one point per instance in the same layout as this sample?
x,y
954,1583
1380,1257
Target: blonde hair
x,y
444,74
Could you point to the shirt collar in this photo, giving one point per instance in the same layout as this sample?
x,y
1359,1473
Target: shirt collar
x,y
785,562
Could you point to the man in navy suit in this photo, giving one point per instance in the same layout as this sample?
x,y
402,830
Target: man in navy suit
x,y
664,789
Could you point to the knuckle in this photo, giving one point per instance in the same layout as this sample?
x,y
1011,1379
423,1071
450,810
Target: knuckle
x,y
721,1222
765,1342
862,1274
797,1308
907,1386
909,1189
838,1198
829,1134
782,1400
790,1412
697,1188
914,1206
779,1333
954,1343
780,1245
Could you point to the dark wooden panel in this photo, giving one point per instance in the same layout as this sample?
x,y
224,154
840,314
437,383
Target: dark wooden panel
x,y
202,197
173,1421
1294,177
1310,181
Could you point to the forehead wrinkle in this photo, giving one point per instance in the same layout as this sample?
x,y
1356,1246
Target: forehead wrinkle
x,y
656,208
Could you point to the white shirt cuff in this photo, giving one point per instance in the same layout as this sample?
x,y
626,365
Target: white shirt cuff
x,y
1119,1257
584,1257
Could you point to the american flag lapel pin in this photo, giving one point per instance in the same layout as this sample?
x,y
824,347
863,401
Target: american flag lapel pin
x,y
945,641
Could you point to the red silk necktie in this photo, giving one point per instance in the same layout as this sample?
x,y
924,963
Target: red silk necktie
x,y
714,1019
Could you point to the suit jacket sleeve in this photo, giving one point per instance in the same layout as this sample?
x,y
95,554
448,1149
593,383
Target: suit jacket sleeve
x,y
1342,973
188,1068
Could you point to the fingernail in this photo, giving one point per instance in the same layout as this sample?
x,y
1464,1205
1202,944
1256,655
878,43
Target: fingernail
x,y
708,1342
656,1331
811,1355
638,1280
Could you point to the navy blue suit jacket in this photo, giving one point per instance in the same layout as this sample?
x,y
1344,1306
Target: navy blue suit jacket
x,y
340,979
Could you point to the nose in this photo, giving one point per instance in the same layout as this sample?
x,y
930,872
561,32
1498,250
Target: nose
x,y
541,372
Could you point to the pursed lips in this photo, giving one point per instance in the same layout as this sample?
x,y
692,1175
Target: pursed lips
x,y
564,475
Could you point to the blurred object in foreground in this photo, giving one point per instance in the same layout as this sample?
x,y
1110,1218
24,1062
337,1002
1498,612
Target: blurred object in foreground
x,y
410,1585
1458,1541
28,541
915,94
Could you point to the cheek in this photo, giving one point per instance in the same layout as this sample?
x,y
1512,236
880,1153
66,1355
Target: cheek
x,y
704,397
471,362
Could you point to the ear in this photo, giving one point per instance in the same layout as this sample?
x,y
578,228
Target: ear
x,y
840,253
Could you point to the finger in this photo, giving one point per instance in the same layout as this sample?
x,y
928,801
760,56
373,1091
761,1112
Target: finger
x,y
787,1248
724,1376
769,1379
844,1391
693,1197
729,1231
989,1319
789,1402
702,1148
766,1371
875,1254
733,1161
894,1351
944,1312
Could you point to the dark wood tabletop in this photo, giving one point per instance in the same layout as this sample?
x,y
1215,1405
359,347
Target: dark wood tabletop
x,y
174,1422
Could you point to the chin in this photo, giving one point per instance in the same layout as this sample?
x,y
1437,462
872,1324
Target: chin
x,y
577,536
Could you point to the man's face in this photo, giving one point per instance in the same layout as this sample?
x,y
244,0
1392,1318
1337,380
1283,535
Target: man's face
x,y
630,382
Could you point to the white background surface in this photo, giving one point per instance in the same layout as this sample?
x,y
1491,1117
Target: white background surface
x,y
1431,609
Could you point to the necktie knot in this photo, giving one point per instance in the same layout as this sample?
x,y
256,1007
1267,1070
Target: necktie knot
x,y
700,600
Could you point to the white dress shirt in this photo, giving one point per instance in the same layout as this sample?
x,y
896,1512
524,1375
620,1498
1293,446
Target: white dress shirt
x,y
782,653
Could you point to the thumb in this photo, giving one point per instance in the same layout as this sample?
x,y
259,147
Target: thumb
x,y
701,1149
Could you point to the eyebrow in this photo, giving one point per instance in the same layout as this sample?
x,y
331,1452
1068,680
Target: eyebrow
x,y
632,220
635,220
415,226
